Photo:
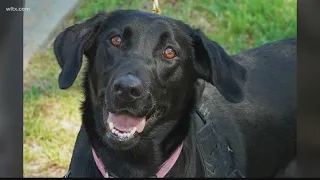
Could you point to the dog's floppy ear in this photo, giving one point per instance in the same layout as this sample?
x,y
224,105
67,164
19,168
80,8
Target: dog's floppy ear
x,y
71,44
215,66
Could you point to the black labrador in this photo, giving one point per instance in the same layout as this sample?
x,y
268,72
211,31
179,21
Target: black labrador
x,y
146,95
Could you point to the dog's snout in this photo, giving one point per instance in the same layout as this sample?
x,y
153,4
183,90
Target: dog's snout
x,y
128,88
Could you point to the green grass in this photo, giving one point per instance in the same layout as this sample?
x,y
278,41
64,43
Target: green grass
x,y
52,116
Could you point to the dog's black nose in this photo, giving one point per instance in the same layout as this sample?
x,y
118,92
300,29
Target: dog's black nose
x,y
128,88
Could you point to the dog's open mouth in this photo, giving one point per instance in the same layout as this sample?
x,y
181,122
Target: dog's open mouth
x,y
125,126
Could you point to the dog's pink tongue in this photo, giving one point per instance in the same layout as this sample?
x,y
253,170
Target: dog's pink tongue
x,y
127,123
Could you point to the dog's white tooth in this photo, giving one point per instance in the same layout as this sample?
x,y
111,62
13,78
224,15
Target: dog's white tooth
x,y
111,126
113,131
122,135
118,134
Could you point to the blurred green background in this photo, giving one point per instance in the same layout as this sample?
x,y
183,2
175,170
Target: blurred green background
x,y
52,117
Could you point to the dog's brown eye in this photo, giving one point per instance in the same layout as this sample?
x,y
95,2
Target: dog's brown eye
x,y
169,53
116,41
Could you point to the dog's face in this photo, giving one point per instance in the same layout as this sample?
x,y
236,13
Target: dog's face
x,y
142,70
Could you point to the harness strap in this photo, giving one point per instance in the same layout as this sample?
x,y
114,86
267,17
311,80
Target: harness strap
x,y
213,149
200,121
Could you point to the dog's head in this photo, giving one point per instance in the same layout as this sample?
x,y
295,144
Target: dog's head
x,y
142,71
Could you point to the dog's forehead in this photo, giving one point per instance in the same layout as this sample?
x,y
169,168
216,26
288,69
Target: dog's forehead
x,y
141,21
147,31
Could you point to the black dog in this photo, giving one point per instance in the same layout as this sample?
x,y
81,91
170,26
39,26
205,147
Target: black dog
x,y
143,86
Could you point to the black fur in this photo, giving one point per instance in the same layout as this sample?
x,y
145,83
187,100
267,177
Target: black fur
x,y
255,109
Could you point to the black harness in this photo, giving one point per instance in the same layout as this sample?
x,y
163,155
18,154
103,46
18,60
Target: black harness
x,y
214,152
215,155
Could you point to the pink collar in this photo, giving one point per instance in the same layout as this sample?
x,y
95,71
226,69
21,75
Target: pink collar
x,y
164,169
